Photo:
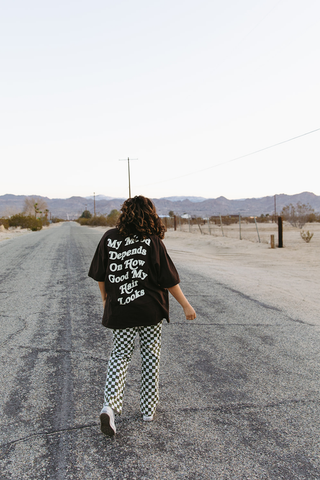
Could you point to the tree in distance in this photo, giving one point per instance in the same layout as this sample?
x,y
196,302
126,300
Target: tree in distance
x,y
34,215
86,214
34,206
99,220
298,215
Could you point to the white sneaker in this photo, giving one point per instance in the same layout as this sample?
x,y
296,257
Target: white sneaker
x,y
107,421
147,418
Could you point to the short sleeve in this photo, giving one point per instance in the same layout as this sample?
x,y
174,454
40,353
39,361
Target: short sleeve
x,y
167,276
99,262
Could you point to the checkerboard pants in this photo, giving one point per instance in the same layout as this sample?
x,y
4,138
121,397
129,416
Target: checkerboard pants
x,y
123,345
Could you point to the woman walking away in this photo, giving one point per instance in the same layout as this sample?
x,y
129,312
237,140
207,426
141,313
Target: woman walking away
x,y
135,273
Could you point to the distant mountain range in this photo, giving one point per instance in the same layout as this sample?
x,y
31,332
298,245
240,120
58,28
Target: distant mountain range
x,y
72,208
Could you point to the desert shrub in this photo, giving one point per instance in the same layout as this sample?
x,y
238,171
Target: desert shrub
x,y
57,220
183,220
313,217
83,221
297,215
45,222
18,220
229,219
35,224
112,218
27,221
98,220
263,218
4,222
306,236
226,219
198,220
168,222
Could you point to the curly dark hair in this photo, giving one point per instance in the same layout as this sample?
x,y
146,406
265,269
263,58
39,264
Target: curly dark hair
x,y
139,218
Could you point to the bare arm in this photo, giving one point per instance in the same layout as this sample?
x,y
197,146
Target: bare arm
x,y
103,292
189,311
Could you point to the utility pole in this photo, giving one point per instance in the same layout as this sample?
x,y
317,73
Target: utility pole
x,y
275,207
280,233
128,160
94,203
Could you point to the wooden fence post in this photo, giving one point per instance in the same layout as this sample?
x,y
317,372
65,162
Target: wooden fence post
x,y
271,241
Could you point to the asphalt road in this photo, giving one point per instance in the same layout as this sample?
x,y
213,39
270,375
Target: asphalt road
x,y
239,386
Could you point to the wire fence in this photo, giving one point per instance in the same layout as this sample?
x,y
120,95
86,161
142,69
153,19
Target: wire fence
x,y
236,227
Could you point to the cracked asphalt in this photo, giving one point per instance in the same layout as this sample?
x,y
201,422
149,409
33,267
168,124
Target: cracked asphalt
x,y
239,386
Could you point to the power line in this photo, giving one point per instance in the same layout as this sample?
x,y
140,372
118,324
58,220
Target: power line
x,y
234,159
258,23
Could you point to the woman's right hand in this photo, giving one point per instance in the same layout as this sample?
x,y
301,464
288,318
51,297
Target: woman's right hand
x,y
189,312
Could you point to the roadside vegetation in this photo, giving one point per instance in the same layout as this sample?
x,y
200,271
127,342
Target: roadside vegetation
x,y
300,214
88,219
33,217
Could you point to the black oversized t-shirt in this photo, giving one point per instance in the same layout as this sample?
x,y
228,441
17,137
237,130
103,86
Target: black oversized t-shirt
x,y
136,274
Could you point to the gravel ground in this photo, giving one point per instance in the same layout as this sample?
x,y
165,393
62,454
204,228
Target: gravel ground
x,y
239,386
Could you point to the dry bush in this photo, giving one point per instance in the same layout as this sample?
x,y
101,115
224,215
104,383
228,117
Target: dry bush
x,y
34,206
297,215
306,236
5,222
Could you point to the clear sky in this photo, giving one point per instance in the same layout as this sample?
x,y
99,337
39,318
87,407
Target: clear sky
x,y
183,86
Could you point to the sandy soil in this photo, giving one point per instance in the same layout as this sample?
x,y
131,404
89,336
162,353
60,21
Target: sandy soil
x,y
287,278
13,233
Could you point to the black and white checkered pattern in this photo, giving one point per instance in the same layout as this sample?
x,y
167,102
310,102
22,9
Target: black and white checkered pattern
x,y
150,348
